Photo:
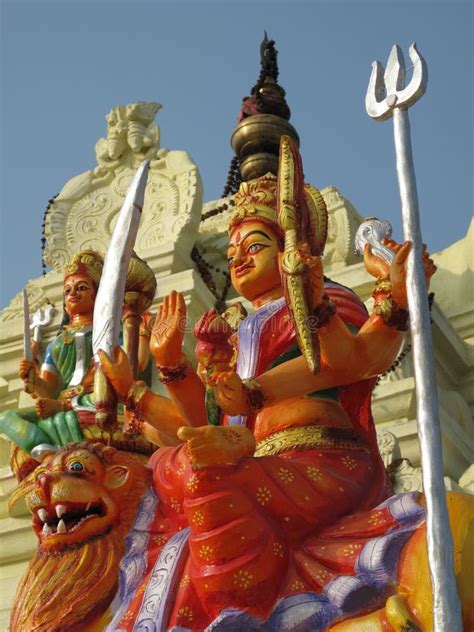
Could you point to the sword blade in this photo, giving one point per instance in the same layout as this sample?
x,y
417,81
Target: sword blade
x,y
109,300
27,350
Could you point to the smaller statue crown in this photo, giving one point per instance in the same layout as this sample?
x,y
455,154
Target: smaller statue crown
x,y
87,262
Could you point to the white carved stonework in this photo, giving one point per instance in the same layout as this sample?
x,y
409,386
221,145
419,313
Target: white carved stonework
x,y
213,241
406,478
84,213
466,481
38,297
387,443
344,221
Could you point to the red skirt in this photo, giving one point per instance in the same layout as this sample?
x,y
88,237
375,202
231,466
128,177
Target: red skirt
x,y
247,524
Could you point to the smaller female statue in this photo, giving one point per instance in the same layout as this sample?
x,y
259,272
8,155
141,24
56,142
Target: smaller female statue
x,y
63,385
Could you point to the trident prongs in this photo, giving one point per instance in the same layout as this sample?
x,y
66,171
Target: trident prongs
x,y
41,318
387,91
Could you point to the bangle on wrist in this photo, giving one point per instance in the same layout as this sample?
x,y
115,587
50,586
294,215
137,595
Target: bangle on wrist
x,y
172,374
323,313
256,396
135,395
384,306
133,401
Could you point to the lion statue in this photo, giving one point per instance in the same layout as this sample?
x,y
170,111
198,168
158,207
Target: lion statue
x,y
85,498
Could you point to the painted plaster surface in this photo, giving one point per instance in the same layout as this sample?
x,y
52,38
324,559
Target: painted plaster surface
x,y
82,216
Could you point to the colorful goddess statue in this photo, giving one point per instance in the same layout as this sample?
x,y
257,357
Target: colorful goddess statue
x,y
63,384
269,508
253,522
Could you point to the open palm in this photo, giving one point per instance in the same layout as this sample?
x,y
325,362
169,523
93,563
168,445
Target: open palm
x,y
168,331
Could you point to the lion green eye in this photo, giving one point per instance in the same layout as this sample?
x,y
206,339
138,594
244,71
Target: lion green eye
x,y
76,466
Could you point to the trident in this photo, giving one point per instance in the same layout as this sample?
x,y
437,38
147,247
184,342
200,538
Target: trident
x,y
388,96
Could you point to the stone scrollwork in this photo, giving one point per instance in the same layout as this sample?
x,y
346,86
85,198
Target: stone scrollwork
x,y
83,214
343,222
387,443
404,476
37,298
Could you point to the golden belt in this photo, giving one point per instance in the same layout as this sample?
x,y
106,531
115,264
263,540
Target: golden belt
x,y
308,438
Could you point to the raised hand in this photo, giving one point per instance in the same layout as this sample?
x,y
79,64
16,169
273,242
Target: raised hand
x,y
118,371
377,266
168,331
396,271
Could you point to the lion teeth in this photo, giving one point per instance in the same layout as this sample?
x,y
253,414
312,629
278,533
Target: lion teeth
x,y
88,506
43,514
46,529
61,528
60,510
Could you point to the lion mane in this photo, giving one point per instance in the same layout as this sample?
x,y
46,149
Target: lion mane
x,y
66,587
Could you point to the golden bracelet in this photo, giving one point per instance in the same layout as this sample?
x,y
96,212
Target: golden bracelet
x,y
384,305
322,313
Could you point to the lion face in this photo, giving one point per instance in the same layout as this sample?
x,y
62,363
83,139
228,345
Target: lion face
x,y
75,495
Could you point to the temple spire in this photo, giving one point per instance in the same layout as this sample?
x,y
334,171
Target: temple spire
x,y
263,118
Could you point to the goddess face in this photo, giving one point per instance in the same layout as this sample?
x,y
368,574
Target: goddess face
x,y
79,295
253,256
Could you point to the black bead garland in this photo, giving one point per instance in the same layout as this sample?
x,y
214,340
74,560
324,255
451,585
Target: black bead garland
x,y
43,236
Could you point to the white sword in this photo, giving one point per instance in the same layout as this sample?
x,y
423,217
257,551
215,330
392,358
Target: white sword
x,y
110,295
387,95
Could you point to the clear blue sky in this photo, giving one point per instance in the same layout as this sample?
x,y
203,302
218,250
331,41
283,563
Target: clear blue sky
x,y
66,63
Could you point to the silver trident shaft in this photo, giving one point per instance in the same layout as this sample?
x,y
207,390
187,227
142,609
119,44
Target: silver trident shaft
x,y
388,96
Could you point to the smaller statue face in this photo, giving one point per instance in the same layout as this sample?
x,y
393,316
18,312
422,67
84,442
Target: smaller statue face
x,y
253,259
79,295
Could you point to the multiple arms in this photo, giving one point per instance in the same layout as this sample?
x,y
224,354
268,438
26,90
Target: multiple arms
x,y
346,358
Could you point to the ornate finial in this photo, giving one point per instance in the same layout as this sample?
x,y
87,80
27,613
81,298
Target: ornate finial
x,y
267,96
263,119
